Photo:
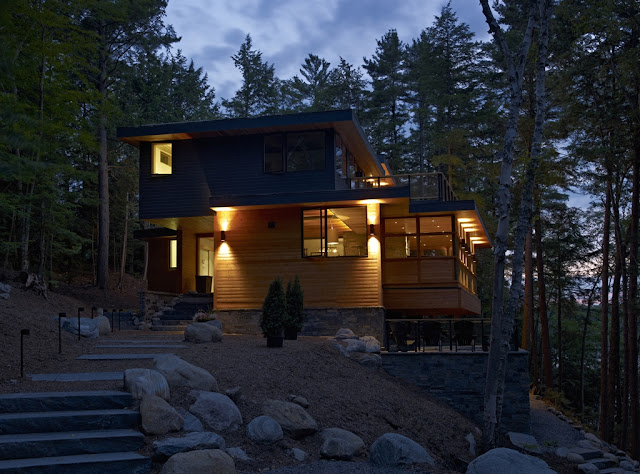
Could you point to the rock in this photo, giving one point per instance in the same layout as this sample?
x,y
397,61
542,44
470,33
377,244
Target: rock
x,y
593,438
191,422
507,461
158,417
216,411
626,465
575,458
264,430
345,333
562,452
298,454
368,360
524,441
88,328
472,444
583,443
202,332
298,400
238,453
181,373
293,419
349,346
372,345
205,460
234,394
5,288
392,449
166,448
215,323
103,324
340,444
588,468
141,382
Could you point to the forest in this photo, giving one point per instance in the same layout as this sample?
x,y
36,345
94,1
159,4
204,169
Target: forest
x,y
71,71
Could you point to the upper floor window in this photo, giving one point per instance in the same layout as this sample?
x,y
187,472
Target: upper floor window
x,y
161,162
294,152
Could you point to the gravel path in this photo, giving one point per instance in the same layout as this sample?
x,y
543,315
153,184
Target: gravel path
x,y
547,427
334,467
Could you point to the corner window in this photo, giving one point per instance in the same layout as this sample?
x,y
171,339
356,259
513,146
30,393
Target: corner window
x,y
173,253
335,232
407,237
161,161
294,152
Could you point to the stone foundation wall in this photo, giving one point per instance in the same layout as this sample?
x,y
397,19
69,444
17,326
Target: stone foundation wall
x,y
152,301
366,321
458,378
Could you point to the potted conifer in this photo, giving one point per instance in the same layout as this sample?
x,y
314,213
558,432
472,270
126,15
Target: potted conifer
x,y
274,313
295,310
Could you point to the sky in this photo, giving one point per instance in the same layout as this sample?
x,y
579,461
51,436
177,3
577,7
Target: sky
x,y
286,31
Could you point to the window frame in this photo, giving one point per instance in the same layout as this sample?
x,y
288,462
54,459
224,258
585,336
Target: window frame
x,y
417,235
155,149
324,231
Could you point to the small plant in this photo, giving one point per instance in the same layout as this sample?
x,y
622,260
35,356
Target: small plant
x,y
295,306
202,316
274,310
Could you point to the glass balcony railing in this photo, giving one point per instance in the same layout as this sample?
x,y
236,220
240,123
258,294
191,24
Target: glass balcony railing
x,y
422,186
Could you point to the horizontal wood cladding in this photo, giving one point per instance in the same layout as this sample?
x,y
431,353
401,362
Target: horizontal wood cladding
x,y
414,271
160,277
253,254
431,301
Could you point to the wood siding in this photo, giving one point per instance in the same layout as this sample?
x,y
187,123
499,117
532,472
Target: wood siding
x,y
254,254
431,301
160,276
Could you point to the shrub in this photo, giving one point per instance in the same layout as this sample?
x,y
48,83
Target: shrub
x,y
274,310
295,305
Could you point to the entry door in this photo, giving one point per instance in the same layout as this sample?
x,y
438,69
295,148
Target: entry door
x,y
205,264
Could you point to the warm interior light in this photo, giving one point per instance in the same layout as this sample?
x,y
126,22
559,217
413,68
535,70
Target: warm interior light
x,y
332,235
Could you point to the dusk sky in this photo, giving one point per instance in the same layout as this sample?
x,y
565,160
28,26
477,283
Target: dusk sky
x,y
286,31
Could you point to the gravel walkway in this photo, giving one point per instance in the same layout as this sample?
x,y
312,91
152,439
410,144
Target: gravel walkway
x,y
548,429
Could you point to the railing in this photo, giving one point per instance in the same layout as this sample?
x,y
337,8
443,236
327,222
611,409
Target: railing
x,y
422,186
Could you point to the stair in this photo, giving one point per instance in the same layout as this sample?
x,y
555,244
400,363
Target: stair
x,y
181,314
75,432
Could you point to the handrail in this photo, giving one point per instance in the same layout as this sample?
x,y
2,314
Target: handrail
x,y
422,186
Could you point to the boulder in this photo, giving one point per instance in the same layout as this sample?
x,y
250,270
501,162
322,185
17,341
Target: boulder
x,y
367,359
216,411
205,460
87,327
472,444
181,373
202,332
349,346
166,448
141,382
562,452
293,419
298,454
575,458
340,444
589,468
158,417
215,323
507,461
345,333
626,465
103,324
191,422
392,449
238,453
593,438
524,441
5,291
264,430
372,345
298,400
234,393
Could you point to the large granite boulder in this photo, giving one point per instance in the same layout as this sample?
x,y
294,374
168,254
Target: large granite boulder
x,y
88,328
294,420
340,444
216,411
507,461
103,324
141,382
367,359
158,417
181,373
202,332
166,448
264,430
201,461
394,450
191,422
372,345
216,323
345,333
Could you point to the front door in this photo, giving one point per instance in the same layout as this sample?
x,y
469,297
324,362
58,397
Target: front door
x,y
204,277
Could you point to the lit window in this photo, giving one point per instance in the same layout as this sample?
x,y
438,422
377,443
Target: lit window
x,y
335,232
173,253
161,158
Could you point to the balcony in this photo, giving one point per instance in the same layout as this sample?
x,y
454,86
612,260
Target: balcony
x,y
422,186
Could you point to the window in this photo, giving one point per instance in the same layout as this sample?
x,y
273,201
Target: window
x,y
335,232
173,253
294,152
407,237
161,162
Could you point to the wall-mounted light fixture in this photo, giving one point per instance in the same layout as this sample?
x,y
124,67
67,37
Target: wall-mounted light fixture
x,y
372,229
223,235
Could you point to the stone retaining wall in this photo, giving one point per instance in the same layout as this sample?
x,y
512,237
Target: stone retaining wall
x,y
458,378
365,321
152,301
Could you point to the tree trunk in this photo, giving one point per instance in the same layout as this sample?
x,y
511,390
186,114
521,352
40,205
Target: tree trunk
x,y
604,318
528,311
103,170
542,309
123,257
559,296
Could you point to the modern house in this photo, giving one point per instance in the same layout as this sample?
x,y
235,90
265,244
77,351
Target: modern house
x,y
237,202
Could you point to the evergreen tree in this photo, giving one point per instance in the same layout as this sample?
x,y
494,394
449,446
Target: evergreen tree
x,y
310,90
346,87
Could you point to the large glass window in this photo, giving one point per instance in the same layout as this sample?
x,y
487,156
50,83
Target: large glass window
x,y
407,237
161,158
273,154
305,151
335,232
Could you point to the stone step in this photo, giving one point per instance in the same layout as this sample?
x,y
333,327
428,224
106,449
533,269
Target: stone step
x,y
169,328
118,356
175,322
612,470
32,445
602,463
64,401
112,463
587,453
141,346
76,376
80,420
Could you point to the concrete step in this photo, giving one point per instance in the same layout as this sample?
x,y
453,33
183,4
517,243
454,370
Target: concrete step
x,y
32,445
64,401
76,420
112,463
587,453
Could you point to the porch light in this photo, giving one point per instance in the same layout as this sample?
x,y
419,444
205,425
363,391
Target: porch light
x,y
223,235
